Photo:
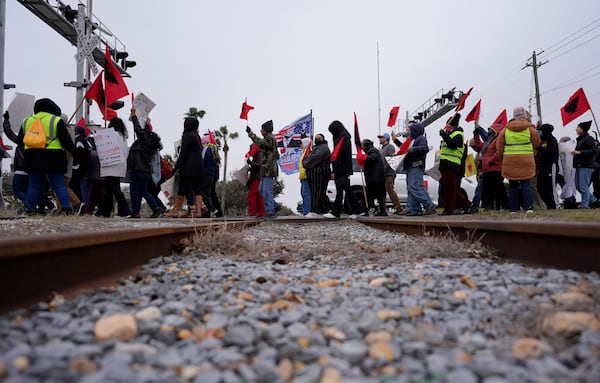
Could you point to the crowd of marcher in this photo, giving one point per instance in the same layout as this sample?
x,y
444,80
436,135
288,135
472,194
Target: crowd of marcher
x,y
527,158
519,167
66,175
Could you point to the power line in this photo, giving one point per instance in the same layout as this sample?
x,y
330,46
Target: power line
x,y
572,49
571,35
570,83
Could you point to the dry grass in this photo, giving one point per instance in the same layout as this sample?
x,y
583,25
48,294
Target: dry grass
x,y
562,215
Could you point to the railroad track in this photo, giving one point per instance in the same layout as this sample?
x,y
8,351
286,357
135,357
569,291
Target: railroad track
x,y
30,270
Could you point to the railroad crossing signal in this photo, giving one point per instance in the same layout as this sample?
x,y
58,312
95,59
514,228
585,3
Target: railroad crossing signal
x,y
85,47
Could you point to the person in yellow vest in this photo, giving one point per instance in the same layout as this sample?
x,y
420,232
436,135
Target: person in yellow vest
x,y
515,145
51,161
451,163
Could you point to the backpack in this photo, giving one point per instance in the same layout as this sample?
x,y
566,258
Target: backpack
x,y
166,169
35,138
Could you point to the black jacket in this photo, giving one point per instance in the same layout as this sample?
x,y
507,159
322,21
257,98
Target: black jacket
x,y
143,148
374,169
190,162
342,166
587,146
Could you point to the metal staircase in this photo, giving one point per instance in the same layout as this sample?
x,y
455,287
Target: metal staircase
x,y
435,107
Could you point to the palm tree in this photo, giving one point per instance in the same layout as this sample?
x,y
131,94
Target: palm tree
x,y
195,112
224,134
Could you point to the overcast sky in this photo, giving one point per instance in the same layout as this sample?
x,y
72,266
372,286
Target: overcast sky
x,y
288,57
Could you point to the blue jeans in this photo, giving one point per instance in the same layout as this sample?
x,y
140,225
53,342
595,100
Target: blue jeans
x,y
139,188
477,196
265,189
305,193
583,177
20,184
418,197
513,195
35,192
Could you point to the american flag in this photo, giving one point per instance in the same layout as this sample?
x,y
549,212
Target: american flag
x,y
290,136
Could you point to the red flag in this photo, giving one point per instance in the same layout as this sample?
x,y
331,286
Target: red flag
x,y
211,136
253,150
393,116
461,102
360,155
337,149
404,147
96,92
306,151
114,85
502,119
82,123
575,107
245,109
474,113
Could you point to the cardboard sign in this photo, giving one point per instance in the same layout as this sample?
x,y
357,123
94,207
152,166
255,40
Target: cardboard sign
x,y
20,107
143,105
108,147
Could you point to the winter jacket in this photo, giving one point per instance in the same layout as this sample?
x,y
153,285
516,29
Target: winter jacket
x,y
587,146
48,160
517,166
190,162
93,169
417,153
143,148
268,154
547,153
342,166
320,154
490,161
210,166
374,169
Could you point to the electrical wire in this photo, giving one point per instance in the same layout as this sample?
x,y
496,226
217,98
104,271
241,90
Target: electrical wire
x,y
572,49
569,36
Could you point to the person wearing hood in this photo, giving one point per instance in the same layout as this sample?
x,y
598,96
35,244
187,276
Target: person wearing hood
x,y
139,165
374,177
584,164
546,160
318,172
342,169
269,168
566,173
190,166
493,192
49,162
418,201
452,154
515,145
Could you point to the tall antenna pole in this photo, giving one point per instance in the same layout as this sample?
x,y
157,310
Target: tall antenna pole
x,y
534,63
378,93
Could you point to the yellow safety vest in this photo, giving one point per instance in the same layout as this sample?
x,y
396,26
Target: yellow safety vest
x,y
518,142
453,155
50,123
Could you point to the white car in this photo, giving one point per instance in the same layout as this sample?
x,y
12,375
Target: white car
x,y
467,187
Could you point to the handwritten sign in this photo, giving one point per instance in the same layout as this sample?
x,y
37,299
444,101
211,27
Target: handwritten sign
x,y
143,105
108,148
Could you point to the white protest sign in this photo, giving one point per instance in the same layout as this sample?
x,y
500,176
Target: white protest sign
x,y
20,107
108,148
143,105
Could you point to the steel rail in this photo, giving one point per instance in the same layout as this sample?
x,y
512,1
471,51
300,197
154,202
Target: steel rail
x,y
32,268
563,245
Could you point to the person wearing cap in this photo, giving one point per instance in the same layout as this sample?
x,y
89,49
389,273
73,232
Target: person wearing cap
x,y
584,164
546,161
515,145
452,153
388,150
269,169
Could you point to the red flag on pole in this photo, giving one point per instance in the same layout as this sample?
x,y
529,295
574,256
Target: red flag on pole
x,y
393,116
114,85
360,155
337,149
245,109
501,120
474,113
96,92
575,107
405,146
211,136
461,102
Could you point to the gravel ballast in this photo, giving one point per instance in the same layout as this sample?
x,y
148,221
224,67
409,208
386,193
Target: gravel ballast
x,y
315,302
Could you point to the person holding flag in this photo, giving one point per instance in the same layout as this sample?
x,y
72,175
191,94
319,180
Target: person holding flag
x,y
341,161
269,169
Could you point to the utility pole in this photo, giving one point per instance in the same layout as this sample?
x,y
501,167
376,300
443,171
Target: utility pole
x,y
534,63
378,94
